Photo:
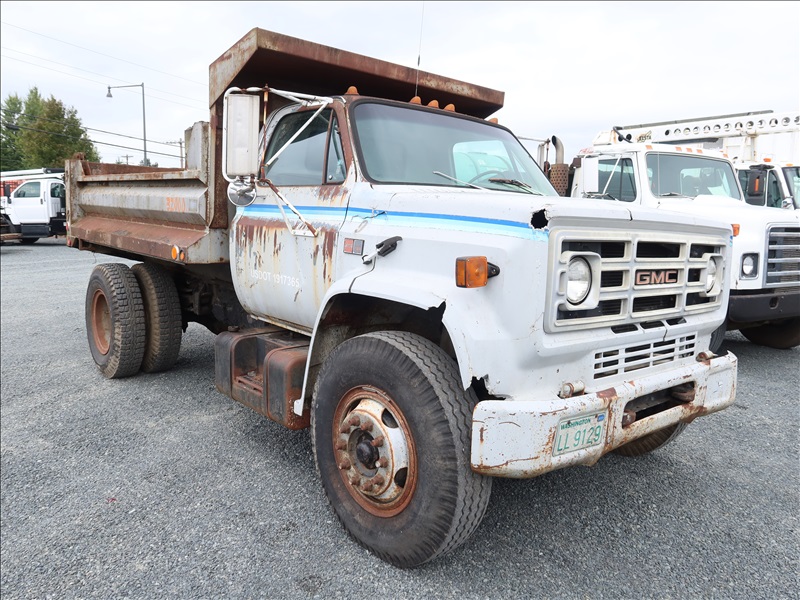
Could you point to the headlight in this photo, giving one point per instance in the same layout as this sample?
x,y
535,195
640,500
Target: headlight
x,y
711,274
750,265
579,280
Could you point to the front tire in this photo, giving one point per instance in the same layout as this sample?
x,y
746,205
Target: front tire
x,y
781,335
162,312
115,320
391,429
653,441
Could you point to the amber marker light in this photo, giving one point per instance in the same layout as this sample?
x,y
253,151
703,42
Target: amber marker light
x,y
735,229
474,271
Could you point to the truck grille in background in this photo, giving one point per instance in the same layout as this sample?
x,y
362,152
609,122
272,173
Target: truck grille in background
x,y
642,356
625,304
783,257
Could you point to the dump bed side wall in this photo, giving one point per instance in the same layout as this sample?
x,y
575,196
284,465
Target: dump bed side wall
x,y
170,214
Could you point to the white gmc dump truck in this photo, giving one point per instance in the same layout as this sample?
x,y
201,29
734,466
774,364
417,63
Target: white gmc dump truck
x,y
393,271
764,277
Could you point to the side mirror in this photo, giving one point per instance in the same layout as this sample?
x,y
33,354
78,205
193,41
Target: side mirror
x,y
7,190
755,183
240,135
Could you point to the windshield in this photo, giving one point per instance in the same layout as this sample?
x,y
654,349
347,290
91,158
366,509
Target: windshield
x,y
792,175
404,144
690,175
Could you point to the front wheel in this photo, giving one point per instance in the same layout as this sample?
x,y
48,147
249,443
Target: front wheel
x,y
390,428
781,335
652,441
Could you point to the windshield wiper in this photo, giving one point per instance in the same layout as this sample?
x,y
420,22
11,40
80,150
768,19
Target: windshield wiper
x,y
673,195
603,195
517,183
451,178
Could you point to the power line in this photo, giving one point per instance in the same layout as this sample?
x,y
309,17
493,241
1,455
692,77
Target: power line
x,y
93,80
132,137
72,137
84,70
102,54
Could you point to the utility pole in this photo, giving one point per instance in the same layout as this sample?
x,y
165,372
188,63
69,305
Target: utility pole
x,y
126,157
180,143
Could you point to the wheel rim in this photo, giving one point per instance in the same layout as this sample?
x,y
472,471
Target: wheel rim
x,y
101,322
374,451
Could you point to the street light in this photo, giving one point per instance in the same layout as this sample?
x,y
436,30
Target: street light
x,y
144,124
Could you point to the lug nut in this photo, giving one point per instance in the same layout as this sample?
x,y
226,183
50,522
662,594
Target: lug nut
x,y
355,480
382,463
377,442
344,465
366,426
341,445
354,421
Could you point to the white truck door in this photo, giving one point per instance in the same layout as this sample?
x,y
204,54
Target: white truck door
x,y
56,199
282,269
29,203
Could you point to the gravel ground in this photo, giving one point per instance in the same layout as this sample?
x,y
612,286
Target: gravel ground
x,y
158,486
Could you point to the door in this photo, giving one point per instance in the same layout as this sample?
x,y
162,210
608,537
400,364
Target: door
x,y
29,204
282,260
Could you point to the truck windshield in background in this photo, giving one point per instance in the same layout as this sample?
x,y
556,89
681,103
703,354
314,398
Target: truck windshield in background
x,y
408,145
792,175
687,175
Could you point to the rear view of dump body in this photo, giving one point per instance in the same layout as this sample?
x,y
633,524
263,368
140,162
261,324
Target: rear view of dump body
x,y
167,214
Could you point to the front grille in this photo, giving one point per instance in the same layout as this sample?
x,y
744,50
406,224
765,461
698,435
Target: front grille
x,y
643,276
618,361
783,257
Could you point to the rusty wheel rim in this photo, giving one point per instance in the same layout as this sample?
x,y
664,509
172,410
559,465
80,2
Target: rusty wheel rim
x,y
101,322
375,451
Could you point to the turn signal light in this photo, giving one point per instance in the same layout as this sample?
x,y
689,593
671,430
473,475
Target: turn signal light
x,y
474,271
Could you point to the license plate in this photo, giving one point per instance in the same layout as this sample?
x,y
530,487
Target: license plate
x,y
581,432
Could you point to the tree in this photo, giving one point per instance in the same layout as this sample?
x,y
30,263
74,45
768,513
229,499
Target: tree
x,y
41,133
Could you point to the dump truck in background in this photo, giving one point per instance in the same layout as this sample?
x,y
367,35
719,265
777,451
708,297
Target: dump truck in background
x,y
764,277
383,264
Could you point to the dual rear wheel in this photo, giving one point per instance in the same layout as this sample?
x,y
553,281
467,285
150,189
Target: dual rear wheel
x,y
133,319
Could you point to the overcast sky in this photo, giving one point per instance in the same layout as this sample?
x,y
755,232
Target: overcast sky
x,y
569,69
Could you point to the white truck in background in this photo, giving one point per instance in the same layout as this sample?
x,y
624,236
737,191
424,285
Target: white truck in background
x,y
764,147
764,273
33,205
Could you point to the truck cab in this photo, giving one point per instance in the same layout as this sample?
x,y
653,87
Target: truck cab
x,y
33,205
765,269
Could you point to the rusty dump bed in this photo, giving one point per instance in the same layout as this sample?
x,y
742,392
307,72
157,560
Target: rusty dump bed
x,y
183,215
266,58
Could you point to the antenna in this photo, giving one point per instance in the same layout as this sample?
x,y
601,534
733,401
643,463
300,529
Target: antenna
x,y
419,52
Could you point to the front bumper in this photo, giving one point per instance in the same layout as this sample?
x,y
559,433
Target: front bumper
x,y
747,307
517,437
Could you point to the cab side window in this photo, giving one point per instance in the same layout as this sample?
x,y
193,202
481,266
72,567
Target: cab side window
x,y
32,189
313,157
57,190
618,176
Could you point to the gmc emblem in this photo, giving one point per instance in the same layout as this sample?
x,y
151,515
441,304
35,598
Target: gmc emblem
x,y
656,277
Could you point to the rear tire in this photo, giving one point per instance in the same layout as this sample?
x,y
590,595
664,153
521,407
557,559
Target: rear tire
x,y
781,335
162,312
115,320
391,429
653,441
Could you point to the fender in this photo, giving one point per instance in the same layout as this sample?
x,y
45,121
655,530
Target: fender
x,y
383,284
